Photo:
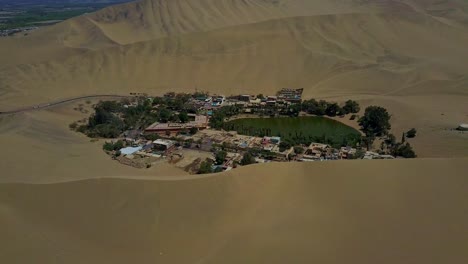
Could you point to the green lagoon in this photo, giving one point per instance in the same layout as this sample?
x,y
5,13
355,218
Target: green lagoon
x,y
297,129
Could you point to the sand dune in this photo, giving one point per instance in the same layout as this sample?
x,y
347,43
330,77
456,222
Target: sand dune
x,y
224,46
60,201
379,52
328,55
345,212
41,148
150,19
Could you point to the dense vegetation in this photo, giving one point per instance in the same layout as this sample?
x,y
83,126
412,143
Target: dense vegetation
x,y
26,13
217,121
411,133
206,167
110,118
298,130
247,159
331,109
376,121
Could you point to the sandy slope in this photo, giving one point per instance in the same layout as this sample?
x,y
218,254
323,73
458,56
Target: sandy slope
x,y
150,19
40,147
387,58
405,211
407,55
330,48
328,55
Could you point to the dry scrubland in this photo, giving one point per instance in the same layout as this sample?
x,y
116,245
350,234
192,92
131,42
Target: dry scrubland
x,y
408,56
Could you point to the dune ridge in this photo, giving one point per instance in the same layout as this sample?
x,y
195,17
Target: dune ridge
x,y
62,200
313,52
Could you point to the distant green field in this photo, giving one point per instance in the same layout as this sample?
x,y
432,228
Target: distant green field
x,y
31,17
298,129
26,13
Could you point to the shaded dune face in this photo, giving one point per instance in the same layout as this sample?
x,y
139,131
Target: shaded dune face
x,y
398,211
329,55
225,46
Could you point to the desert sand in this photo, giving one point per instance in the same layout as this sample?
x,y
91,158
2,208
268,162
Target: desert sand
x,y
63,200
402,211
407,55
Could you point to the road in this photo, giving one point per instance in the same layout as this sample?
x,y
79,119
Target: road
x,y
59,102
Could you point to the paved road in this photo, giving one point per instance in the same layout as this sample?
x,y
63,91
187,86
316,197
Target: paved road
x,y
60,102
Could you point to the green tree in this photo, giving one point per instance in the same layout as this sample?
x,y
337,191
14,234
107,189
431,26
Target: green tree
x,y
118,145
164,115
193,130
247,159
284,146
390,140
310,106
351,107
321,108
341,112
206,167
295,109
183,117
108,146
406,151
298,150
151,137
411,133
220,157
376,121
73,126
332,109
368,141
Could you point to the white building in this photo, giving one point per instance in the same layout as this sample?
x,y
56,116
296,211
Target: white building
x,y
463,127
163,144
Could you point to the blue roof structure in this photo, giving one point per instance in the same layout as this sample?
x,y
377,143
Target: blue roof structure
x,y
130,150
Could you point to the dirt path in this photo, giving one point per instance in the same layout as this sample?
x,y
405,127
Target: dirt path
x,y
60,102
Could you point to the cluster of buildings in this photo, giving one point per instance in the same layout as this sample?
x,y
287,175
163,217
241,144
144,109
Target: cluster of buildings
x,y
267,149
156,148
369,155
284,96
10,32
199,122
207,104
320,152
264,149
